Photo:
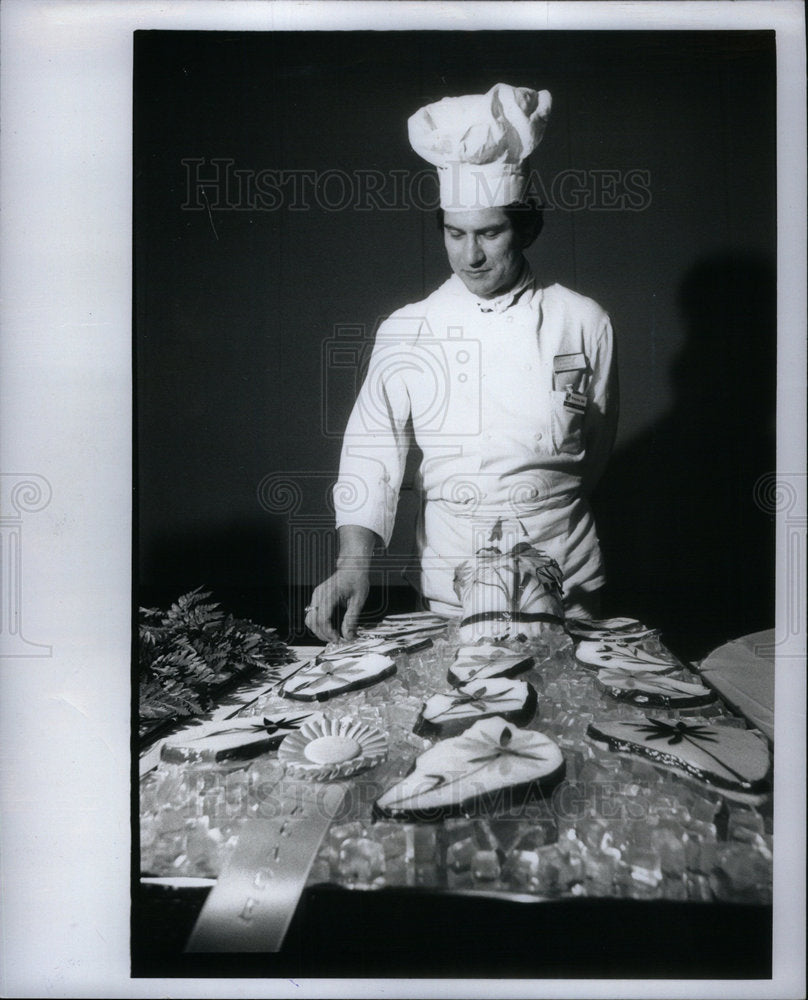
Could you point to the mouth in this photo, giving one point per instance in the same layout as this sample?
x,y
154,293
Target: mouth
x,y
475,273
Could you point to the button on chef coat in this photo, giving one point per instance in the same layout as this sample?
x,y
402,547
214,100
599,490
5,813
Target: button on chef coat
x,y
472,381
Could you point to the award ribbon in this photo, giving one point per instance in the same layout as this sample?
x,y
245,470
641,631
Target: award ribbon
x,y
253,902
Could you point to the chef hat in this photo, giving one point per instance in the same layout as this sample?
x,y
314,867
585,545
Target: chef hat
x,y
480,144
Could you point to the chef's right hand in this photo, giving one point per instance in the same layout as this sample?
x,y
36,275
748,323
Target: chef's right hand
x,y
348,588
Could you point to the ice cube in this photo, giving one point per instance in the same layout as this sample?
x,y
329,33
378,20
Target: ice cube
x,y
320,871
522,870
744,825
399,871
599,874
427,875
337,834
645,867
484,837
668,841
392,837
539,833
485,866
741,876
698,888
361,860
571,871
590,831
170,820
459,879
506,831
704,808
459,854
424,843
457,828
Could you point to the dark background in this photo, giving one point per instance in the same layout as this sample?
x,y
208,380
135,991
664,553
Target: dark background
x,y
240,401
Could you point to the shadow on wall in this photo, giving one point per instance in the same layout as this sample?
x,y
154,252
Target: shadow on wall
x,y
688,547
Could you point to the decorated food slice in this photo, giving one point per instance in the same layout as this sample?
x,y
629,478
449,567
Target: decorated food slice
x,y
376,644
232,739
648,688
731,759
646,655
607,628
447,714
318,681
324,749
486,649
491,766
476,662
403,630
415,618
509,594
386,647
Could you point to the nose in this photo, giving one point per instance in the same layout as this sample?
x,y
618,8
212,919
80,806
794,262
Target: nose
x,y
473,252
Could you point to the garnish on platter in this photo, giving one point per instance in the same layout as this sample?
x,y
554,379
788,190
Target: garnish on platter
x,y
648,688
477,662
646,655
371,644
325,749
232,739
339,650
516,593
318,681
608,628
731,759
410,627
447,714
490,767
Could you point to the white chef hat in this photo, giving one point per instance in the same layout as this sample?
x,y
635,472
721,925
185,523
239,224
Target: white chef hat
x,y
480,144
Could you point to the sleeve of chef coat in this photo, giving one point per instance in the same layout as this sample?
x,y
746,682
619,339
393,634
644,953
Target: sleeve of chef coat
x,y
378,435
600,424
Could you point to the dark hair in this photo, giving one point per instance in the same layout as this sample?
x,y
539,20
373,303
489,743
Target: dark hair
x,y
526,217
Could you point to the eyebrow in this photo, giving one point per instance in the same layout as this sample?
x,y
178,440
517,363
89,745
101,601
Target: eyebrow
x,y
495,227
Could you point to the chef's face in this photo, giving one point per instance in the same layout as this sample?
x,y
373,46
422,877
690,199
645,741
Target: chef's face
x,y
484,250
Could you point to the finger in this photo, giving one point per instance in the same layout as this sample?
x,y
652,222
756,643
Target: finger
x,y
349,622
319,615
320,624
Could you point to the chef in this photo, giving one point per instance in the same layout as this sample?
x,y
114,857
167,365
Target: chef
x,y
508,387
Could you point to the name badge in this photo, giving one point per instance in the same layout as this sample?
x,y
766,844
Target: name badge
x,y
569,362
576,401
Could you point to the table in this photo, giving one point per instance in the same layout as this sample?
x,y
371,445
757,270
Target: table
x,y
700,863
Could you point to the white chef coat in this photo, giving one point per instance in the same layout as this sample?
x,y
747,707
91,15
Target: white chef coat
x,y
472,382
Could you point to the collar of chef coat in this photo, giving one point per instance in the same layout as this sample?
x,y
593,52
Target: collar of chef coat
x,y
524,283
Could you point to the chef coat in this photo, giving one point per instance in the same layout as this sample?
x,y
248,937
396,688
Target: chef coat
x,y
482,387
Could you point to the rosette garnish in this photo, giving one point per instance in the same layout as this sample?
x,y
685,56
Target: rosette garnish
x,y
325,749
